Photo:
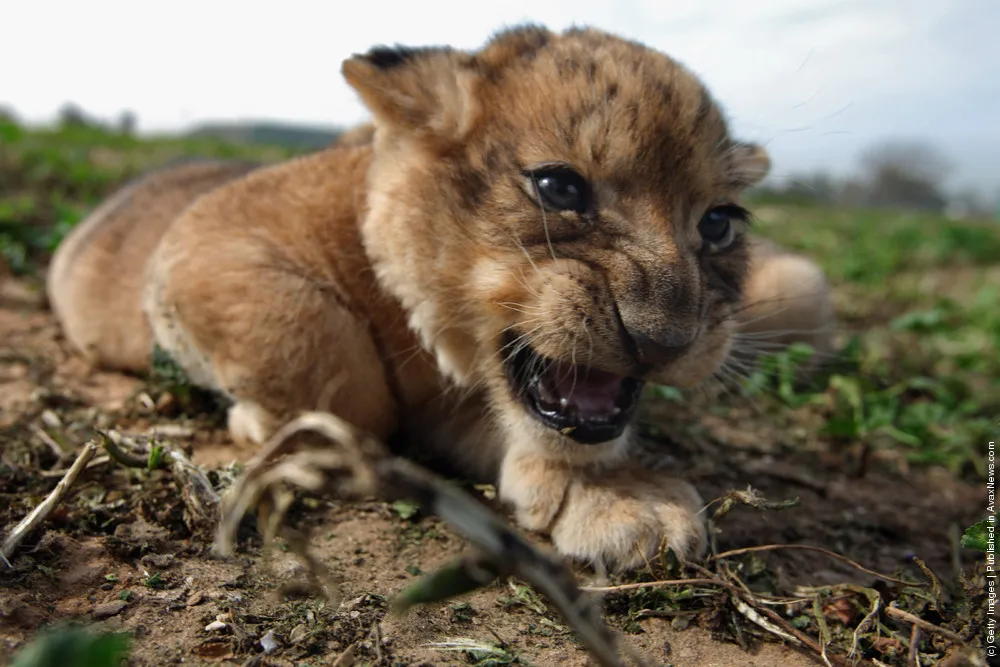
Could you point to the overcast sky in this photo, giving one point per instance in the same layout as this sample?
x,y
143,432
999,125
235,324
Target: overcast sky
x,y
816,80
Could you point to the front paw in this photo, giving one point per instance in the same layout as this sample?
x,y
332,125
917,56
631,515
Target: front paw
x,y
620,520
612,519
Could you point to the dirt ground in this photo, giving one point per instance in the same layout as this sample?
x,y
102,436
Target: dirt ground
x,y
119,555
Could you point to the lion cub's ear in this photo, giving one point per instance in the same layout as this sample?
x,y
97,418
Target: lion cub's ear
x,y
427,92
750,164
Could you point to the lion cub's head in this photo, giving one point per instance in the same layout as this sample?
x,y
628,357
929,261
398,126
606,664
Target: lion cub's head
x,y
558,215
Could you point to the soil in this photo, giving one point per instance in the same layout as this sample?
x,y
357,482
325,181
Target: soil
x,y
118,553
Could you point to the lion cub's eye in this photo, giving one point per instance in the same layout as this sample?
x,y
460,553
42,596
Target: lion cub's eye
x,y
559,188
716,226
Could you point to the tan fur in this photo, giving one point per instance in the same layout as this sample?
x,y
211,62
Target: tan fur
x,y
97,274
359,135
381,278
787,299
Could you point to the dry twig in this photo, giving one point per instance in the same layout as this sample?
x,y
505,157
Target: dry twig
x,y
913,658
809,547
654,584
96,462
907,617
44,508
57,450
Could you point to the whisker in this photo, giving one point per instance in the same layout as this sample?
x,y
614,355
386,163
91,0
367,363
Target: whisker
x,y
545,219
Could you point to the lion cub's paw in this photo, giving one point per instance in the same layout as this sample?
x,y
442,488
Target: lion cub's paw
x,y
615,519
623,522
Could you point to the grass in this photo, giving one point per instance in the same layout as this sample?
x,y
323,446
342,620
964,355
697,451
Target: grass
x,y
50,178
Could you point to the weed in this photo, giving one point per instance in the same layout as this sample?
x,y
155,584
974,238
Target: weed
x,y
73,646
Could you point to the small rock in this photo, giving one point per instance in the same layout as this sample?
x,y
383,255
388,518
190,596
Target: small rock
x,y
216,626
51,419
298,633
346,659
159,561
109,609
146,401
268,643
195,599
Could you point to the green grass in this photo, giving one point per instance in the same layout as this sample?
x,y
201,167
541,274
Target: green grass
x,y
918,372
69,645
50,178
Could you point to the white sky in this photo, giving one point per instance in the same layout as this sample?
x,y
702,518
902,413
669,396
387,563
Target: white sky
x,y
817,80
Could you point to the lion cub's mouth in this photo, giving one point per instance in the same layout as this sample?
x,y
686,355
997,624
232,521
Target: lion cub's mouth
x,y
586,404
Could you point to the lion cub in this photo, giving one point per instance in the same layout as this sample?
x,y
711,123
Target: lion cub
x,y
532,232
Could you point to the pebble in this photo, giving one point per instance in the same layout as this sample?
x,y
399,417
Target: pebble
x,y
161,561
268,643
51,419
298,633
109,609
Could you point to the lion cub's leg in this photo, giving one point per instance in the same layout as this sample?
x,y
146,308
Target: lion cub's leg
x,y
786,299
273,341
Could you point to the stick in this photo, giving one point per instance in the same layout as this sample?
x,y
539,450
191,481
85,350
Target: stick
x,y
906,616
913,660
654,584
39,514
47,439
59,472
831,554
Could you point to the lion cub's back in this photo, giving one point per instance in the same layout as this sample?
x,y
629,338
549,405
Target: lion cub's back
x,y
95,280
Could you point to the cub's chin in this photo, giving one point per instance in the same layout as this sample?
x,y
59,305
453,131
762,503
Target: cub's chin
x,y
587,405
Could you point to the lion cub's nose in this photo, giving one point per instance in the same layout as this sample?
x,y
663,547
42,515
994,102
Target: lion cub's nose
x,y
667,346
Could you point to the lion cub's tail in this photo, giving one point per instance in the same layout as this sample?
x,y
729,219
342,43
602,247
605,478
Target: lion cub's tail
x,y
95,281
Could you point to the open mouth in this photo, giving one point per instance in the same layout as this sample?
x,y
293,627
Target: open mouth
x,y
587,405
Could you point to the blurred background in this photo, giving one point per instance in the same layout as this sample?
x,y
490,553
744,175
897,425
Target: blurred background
x,y
882,102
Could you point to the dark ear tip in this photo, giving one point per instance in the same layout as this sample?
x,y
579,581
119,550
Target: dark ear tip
x,y
387,57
